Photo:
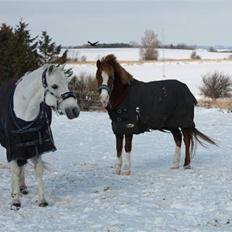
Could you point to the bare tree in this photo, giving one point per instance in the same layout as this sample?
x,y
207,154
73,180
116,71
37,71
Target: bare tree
x,y
216,85
149,43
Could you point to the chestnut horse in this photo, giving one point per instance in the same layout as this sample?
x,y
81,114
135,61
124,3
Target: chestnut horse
x,y
135,107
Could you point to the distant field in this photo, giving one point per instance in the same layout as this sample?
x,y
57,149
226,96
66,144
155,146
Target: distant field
x,y
188,72
132,54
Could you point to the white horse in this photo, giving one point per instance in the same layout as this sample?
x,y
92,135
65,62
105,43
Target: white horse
x,y
47,85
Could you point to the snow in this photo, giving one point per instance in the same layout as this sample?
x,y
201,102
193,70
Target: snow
x,y
188,72
84,195
132,54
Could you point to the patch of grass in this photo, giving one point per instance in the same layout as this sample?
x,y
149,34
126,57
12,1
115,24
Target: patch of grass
x,y
222,103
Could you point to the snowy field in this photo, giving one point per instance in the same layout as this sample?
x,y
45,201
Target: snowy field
x,y
188,72
85,196
132,54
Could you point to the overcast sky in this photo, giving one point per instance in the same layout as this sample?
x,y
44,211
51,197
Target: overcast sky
x,y
201,22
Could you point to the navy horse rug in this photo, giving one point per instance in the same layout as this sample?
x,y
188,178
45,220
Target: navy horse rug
x,y
156,105
23,140
136,107
25,117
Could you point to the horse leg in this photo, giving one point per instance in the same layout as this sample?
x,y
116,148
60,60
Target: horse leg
x,y
15,177
128,147
187,140
39,169
22,185
178,138
119,145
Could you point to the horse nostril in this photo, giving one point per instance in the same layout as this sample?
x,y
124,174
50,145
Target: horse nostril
x,y
68,113
72,112
76,112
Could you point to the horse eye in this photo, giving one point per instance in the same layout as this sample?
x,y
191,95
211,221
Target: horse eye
x,y
55,86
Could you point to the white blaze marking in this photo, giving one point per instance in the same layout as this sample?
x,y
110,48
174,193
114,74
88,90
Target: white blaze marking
x,y
104,96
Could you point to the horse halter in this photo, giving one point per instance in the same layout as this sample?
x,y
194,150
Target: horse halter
x,y
59,99
106,87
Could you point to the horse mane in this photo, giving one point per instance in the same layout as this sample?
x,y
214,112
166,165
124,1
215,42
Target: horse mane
x,y
120,72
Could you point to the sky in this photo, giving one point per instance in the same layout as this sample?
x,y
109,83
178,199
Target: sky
x,y
74,22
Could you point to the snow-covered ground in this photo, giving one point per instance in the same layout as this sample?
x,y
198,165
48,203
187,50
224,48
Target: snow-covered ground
x,y
188,72
85,196
132,54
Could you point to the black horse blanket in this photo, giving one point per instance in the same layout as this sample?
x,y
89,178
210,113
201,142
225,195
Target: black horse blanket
x,y
23,140
157,105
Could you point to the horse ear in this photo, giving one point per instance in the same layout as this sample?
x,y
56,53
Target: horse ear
x,y
98,63
61,66
51,68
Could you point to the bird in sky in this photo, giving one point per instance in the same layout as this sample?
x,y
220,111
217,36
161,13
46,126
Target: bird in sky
x,y
93,44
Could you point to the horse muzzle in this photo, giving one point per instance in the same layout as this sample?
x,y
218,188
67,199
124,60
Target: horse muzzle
x,y
72,112
104,98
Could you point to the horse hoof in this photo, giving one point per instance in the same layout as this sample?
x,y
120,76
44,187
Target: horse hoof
x,y
117,171
126,172
15,206
174,167
187,166
24,190
43,204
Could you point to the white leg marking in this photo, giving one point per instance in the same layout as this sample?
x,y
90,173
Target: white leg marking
x,y
176,158
127,165
117,166
187,167
15,177
39,169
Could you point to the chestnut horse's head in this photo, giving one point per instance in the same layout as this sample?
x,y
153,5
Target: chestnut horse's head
x,y
110,75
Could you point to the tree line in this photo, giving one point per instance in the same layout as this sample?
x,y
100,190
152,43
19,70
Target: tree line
x,y
20,52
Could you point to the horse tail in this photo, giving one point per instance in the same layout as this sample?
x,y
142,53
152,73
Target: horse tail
x,y
197,136
202,138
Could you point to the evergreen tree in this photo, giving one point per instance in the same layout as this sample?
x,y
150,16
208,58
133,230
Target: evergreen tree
x,y
21,53
6,41
49,52
25,56
17,51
